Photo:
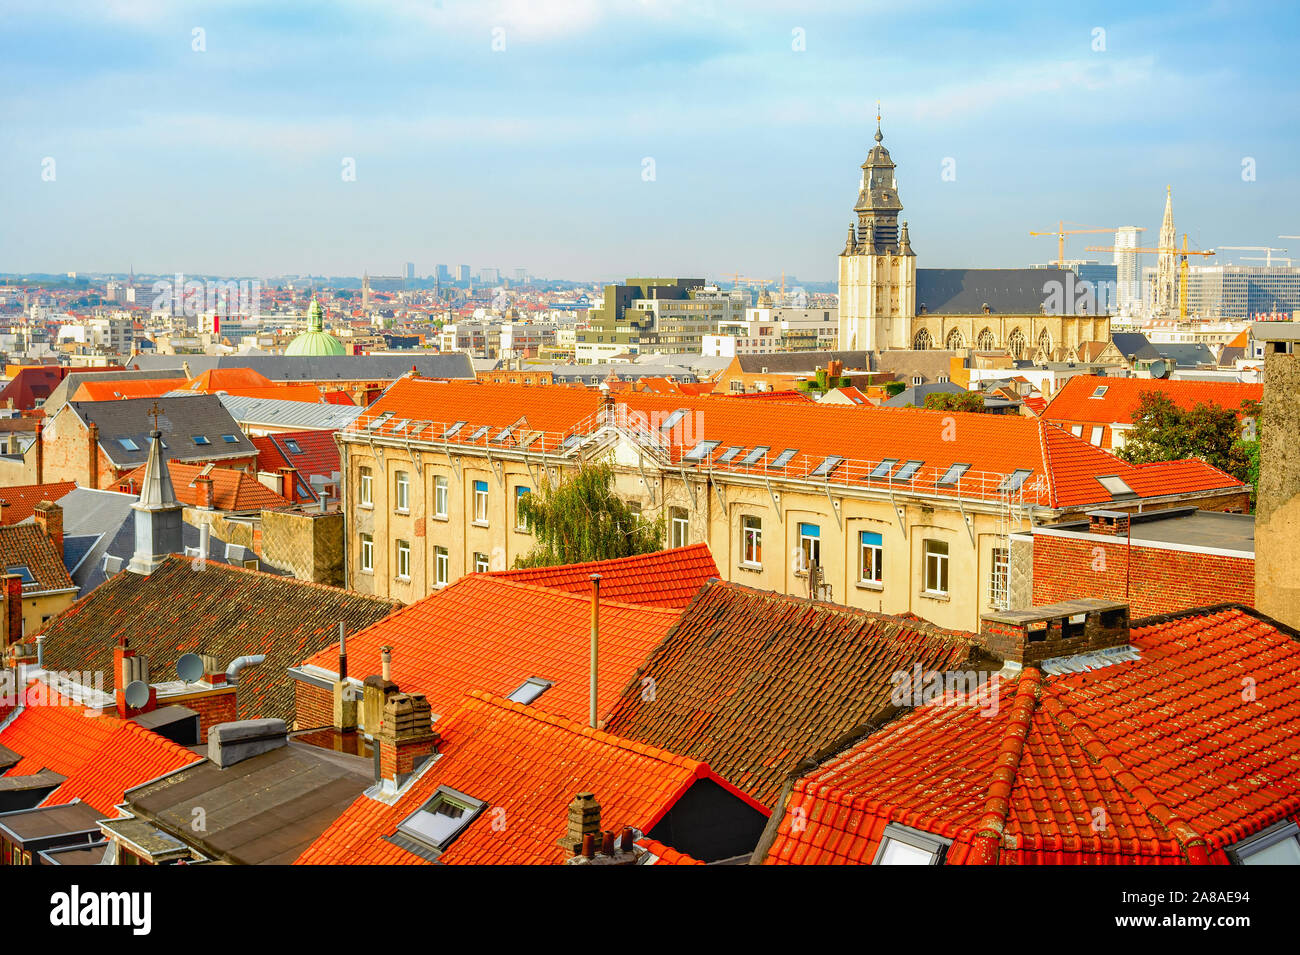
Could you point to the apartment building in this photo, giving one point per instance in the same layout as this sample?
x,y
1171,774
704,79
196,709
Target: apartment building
x,y
656,316
899,510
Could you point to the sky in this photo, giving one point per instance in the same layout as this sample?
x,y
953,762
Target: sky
x,y
593,140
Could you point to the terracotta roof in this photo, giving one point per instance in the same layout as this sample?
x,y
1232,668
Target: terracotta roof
x,y
1063,469
223,379
1122,396
232,490
526,766
101,756
125,388
1168,752
21,500
26,545
753,682
488,633
217,609
32,383
666,578
665,855
316,452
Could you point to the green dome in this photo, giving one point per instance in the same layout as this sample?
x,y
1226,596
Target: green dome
x,y
315,340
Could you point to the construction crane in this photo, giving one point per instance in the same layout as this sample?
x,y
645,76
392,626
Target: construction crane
x,y
1182,254
1267,250
1061,232
737,278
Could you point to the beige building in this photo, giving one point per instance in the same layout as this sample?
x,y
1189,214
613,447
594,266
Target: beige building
x,y
901,510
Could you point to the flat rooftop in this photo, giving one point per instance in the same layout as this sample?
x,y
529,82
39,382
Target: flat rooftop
x,y
1182,527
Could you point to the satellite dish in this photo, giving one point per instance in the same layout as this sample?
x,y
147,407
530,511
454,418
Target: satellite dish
x,y
1159,369
190,667
137,694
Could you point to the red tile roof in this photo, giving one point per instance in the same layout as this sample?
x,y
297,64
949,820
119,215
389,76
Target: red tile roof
x,y
127,388
489,633
665,855
317,453
666,578
1074,401
752,682
101,756
223,379
1063,468
20,501
232,490
527,766
1164,760
26,545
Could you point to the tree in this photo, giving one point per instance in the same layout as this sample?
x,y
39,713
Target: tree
x,y
1227,438
954,401
581,519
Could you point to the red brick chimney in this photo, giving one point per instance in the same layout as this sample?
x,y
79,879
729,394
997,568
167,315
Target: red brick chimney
x,y
1110,523
206,494
92,452
406,737
40,452
289,484
49,518
12,622
834,369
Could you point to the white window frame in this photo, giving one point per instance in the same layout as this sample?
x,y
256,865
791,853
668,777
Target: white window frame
x,y
481,503
751,540
999,578
403,560
402,491
941,567
441,567
877,561
368,553
810,546
1094,437
482,563
916,840
679,527
366,488
521,524
440,493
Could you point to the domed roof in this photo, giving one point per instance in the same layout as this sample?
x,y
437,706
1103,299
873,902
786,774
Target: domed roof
x,y
315,340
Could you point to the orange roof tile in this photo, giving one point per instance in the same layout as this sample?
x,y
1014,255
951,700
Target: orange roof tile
x,y
526,766
133,388
1063,469
232,490
26,545
101,756
489,633
20,501
1168,752
1074,402
666,578
223,379
666,855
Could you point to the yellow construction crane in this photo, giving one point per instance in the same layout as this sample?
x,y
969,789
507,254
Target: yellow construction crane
x,y
1061,232
1182,254
737,278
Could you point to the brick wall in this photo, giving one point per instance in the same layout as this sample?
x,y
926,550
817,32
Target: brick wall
x,y
313,706
213,708
1159,581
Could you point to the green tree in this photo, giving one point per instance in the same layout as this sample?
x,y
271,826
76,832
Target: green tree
x,y
580,518
1227,438
953,401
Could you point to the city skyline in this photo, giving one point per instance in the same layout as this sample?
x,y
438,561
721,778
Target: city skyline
x,y
520,133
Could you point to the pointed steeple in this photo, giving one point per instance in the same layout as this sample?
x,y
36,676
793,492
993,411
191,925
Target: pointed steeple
x,y
851,246
158,524
1166,261
904,243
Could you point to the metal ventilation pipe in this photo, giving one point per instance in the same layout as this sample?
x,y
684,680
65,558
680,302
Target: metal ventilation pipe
x,y
232,671
595,644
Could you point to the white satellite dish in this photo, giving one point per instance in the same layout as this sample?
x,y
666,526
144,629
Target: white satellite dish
x,y
190,667
137,694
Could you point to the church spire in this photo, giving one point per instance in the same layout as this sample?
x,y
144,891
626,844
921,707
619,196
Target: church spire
x,y
1166,261
158,525
878,204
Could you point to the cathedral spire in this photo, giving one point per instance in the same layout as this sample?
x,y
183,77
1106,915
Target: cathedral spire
x,y
1166,261
157,514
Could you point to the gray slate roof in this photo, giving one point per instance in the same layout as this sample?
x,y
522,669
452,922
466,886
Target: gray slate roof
x,y
183,419
1185,355
1005,291
1134,345
319,368
799,362
296,415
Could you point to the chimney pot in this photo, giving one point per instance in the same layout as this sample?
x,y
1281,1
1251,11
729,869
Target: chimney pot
x,y
589,845
607,843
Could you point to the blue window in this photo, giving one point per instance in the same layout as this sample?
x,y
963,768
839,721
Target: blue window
x,y
871,569
521,523
480,502
810,545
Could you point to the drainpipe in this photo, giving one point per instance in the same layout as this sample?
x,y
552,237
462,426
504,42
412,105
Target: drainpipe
x,y
595,644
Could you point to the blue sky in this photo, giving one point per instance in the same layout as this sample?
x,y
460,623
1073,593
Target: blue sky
x,y
229,159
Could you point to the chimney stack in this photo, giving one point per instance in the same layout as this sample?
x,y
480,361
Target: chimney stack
x,y
49,518
584,823
376,689
1277,506
1030,636
207,495
406,737
13,610
289,484
1109,523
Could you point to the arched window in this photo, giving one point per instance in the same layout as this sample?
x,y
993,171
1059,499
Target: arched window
x,y
1016,344
922,341
955,340
1045,344
986,341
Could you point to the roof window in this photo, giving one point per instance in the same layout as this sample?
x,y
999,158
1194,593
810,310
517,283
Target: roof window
x,y
903,845
439,821
530,690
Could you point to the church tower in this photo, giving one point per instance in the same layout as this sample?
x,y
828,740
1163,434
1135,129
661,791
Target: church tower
x,y
1166,292
877,266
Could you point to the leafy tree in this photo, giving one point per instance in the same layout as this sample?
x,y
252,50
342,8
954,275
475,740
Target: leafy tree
x,y
1227,438
581,518
953,401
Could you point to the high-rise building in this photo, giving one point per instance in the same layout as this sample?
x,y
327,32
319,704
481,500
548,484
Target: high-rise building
x,y
410,271
1239,293
521,276
444,274
489,276
462,273
1128,282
